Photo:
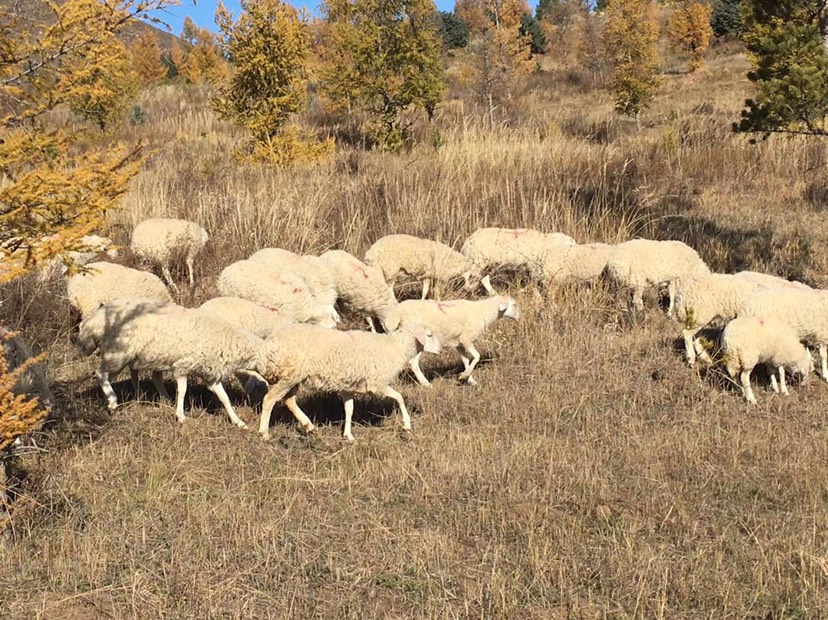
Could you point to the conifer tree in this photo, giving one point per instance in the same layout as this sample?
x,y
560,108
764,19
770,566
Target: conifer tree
x,y
689,30
631,44
197,56
146,58
268,46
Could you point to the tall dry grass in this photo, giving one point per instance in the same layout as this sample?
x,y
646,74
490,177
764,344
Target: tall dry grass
x,y
590,475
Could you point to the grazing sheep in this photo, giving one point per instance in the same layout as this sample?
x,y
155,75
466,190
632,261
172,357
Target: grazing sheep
x,y
190,343
804,310
643,263
455,324
749,341
288,293
499,249
346,362
161,240
110,317
587,261
91,247
33,380
360,286
311,269
104,282
424,259
256,318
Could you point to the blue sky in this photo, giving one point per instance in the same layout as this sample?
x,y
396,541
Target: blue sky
x,y
206,9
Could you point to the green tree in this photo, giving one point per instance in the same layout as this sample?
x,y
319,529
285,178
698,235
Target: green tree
x,y
384,57
531,28
726,17
787,45
453,31
631,44
268,46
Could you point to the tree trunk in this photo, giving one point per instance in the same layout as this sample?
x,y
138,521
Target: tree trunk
x,y
638,121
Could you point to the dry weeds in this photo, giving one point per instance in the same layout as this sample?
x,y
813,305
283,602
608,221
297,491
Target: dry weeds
x,y
590,475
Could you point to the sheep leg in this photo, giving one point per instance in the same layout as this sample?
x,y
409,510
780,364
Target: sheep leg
x,y
158,382
702,353
276,393
418,372
349,414
746,388
371,324
106,387
136,384
392,393
772,373
190,269
165,270
426,286
180,392
690,346
475,358
218,389
638,299
782,383
301,417
487,284
671,293
823,356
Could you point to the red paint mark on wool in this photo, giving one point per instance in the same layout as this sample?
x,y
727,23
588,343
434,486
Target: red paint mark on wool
x,y
517,232
360,269
442,306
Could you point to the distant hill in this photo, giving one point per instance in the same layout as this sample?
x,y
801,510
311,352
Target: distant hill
x,y
34,13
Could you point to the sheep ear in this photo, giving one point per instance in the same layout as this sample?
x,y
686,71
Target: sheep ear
x,y
421,336
504,306
391,323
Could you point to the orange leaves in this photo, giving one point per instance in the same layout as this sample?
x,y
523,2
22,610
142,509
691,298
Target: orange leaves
x,y
689,30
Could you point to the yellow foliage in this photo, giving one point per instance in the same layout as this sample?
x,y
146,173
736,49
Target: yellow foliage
x,y
146,58
19,413
689,30
198,57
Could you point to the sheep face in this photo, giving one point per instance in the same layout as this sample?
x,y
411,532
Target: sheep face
x,y
428,341
509,308
804,366
327,317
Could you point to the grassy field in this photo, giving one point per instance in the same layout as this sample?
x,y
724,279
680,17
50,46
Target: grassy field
x,y
591,474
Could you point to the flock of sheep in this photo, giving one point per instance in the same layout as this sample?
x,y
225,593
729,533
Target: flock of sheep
x,y
274,323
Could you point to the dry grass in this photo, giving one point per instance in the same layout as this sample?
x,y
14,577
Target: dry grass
x,y
591,475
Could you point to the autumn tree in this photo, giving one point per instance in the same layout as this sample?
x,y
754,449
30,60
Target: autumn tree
x,y
197,55
54,188
689,30
501,56
146,58
268,46
787,42
589,46
631,44
382,56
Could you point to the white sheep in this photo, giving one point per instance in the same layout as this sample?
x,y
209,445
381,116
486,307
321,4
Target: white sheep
x,y
89,248
424,259
770,281
748,341
587,261
190,343
345,362
360,286
288,293
160,241
103,282
804,310
643,263
256,318
311,269
33,380
505,249
457,324
111,316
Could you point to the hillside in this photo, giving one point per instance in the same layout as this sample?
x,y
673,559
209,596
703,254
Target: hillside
x,y
591,474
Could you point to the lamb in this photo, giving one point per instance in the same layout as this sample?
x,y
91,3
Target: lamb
x,y
804,310
424,259
110,317
33,380
491,249
643,263
359,285
455,323
187,342
288,293
750,340
162,240
103,282
256,318
311,269
346,362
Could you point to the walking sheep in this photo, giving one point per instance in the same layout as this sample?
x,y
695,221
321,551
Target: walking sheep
x,y
643,263
104,282
360,286
256,318
424,259
288,293
457,324
345,362
160,241
311,269
749,341
190,343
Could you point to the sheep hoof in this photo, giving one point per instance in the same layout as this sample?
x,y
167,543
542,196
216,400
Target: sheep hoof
x,y
241,424
348,436
309,430
265,436
471,380
182,419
